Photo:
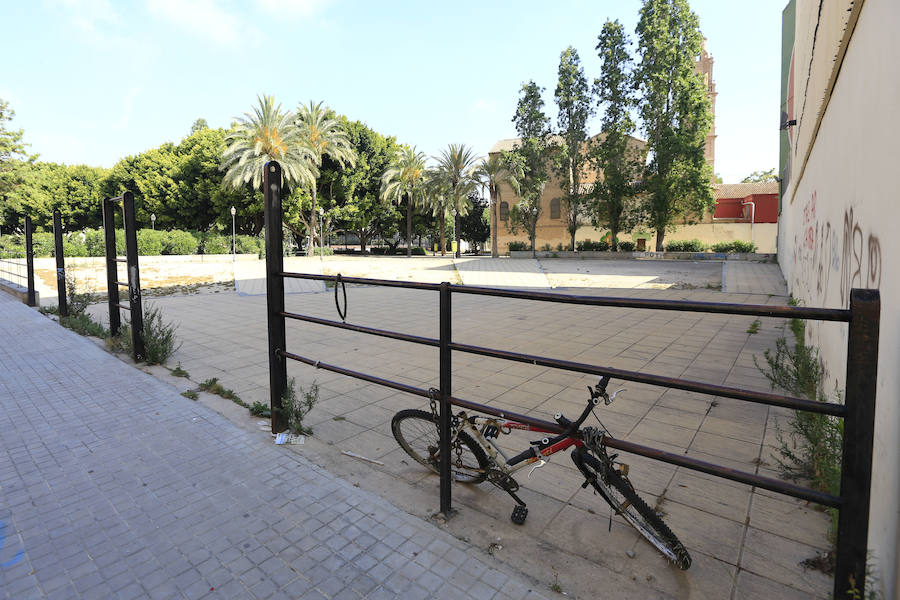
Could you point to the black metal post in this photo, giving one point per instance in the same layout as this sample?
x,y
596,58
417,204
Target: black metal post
x,y
275,293
134,277
60,264
29,262
112,268
446,407
859,436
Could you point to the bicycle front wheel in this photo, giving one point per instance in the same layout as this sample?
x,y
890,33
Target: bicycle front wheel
x,y
623,498
417,433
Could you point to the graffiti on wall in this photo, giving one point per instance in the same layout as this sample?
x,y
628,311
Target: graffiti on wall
x,y
823,250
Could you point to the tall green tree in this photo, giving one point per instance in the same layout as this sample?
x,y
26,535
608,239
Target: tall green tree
x,y
456,165
532,152
493,172
14,161
474,226
266,134
619,162
323,134
405,179
675,111
573,98
760,176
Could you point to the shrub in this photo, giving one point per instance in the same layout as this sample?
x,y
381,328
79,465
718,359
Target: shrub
x,y
258,409
77,303
419,252
216,244
73,246
685,246
546,248
295,407
248,244
588,246
626,246
177,241
722,247
150,242
559,247
514,246
83,324
160,341
317,251
41,244
94,242
746,247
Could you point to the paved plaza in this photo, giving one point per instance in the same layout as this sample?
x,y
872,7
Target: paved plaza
x,y
745,543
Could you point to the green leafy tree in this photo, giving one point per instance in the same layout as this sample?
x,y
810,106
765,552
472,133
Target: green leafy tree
x,y
531,153
760,176
573,98
322,133
438,201
264,135
14,162
199,125
675,111
613,156
474,227
456,166
493,172
404,180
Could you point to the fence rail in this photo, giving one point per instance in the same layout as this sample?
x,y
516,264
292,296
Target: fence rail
x,y
24,281
858,412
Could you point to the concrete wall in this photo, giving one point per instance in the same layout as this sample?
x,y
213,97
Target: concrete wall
x,y
840,210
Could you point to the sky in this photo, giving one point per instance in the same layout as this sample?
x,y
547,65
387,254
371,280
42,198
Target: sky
x,y
93,81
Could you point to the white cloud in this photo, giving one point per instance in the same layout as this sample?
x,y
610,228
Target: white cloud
x,y
483,106
203,17
292,8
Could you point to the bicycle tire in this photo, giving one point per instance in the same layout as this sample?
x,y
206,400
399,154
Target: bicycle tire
x,y
417,433
623,498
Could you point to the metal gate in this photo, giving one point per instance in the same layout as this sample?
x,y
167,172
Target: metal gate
x,y
858,411
112,271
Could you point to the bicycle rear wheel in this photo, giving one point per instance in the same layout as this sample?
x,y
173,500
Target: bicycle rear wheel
x,y
623,498
417,433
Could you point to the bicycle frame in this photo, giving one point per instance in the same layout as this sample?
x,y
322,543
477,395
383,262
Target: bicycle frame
x,y
510,465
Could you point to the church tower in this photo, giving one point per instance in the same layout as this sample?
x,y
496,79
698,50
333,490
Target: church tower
x,y
704,66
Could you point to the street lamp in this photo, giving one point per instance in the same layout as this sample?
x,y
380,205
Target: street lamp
x,y
233,244
321,235
153,221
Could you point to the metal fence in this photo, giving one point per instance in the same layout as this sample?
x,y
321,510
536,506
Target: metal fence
x,y
19,271
112,271
858,411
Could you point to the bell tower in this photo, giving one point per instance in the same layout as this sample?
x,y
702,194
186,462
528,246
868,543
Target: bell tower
x,y
704,66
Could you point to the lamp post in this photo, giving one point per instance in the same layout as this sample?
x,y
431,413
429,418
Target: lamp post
x,y
153,221
233,239
321,235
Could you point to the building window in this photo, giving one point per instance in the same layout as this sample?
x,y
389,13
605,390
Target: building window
x,y
554,208
504,211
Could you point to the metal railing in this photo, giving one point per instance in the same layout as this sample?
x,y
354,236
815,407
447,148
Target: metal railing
x,y
858,411
19,271
112,271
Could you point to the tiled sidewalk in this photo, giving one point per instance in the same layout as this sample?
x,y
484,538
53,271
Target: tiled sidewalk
x,y
114,486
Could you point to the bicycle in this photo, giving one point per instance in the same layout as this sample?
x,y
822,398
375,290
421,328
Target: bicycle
x,y
478,458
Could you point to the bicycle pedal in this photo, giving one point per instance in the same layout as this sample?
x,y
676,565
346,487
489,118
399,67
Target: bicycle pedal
x,y
518,514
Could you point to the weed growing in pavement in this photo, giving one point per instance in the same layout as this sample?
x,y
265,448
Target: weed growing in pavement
x,y
83,324
190,394
258,409
754,327
213,386
811,445
77,302
179,372
160,341
295,406
555,585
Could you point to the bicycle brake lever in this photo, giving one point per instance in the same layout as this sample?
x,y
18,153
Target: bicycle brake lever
x,y
537,466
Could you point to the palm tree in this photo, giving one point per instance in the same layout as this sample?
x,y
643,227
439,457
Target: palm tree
x,y
455,165
492,172
322,134
264,135
405,177
438,201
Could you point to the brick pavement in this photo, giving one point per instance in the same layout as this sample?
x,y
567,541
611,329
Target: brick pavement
x,y
114,486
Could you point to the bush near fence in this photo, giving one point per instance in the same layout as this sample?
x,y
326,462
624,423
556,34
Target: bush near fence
x,y
150,243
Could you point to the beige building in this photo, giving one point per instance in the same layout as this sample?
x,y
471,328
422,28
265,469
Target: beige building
x,y
841,121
